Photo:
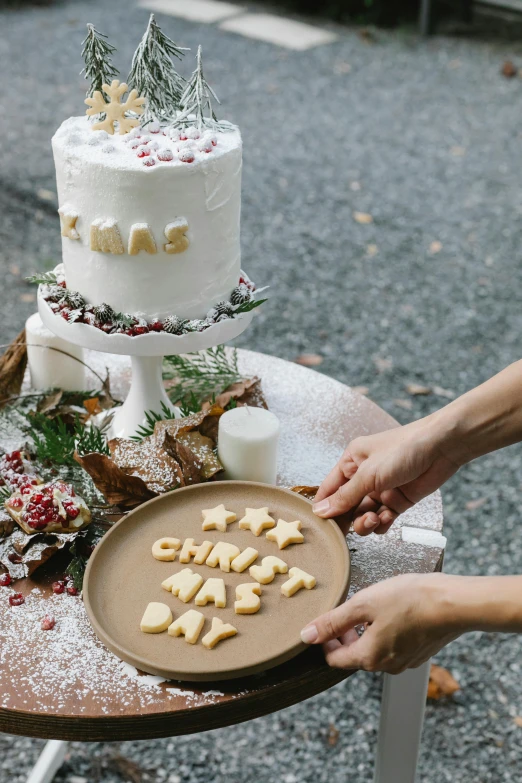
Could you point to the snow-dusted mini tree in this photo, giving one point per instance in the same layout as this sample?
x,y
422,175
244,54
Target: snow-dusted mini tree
x,y
197,99
153,74
96,53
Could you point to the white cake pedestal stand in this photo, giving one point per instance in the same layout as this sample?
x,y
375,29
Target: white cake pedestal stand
x,y
147,392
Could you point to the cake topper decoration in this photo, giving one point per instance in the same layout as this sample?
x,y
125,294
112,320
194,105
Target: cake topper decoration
x,y
153,74
114,110
96,53
197,97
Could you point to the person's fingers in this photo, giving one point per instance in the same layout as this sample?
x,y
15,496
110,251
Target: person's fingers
x,y
335,623
345,656
382,528
331,483
396,500
366,524
347,496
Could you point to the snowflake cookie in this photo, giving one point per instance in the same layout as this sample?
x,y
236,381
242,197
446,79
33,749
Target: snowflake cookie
x,y
114,110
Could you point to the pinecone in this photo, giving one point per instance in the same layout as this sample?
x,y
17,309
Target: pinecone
x,y
74,299
240,295
53,293
224,308
173,325
104,313
192,326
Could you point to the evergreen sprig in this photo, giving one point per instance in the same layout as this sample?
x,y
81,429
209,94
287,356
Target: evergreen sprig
x,y
151,417
97,53
55,442
197,99
80,550
246,307
44,278
200,375
153,74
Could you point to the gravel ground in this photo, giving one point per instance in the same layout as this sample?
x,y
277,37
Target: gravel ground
x,y
424,137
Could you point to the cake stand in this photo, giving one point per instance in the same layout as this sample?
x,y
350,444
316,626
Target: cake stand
x,y
147,392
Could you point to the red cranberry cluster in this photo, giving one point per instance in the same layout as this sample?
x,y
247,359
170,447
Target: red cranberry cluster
x,y
182,143
64,585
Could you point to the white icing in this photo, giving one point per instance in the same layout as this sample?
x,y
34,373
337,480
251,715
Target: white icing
x,y
102,185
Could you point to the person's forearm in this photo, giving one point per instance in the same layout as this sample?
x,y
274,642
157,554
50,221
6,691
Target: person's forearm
x,y
482,420
480,603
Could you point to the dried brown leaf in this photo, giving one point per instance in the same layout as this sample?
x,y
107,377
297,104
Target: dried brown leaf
x,y
441,683
115,485
307,492
364,218
333,735
203,450
309,359
472,505
49,402
401,403
245,392
509,69
189,463
364,390
417,389
517,720
12,369
146,459
93,406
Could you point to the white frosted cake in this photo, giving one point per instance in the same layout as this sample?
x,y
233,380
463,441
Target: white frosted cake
x,y
149,192
105,182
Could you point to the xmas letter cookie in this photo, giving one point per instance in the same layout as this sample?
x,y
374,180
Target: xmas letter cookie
x,y
175,233
217,518
165,548
270,566
157,618
242,561
184,584
219,631
298,580
286,533
141,238
106,237
213,590
199,552
223,554
189,624
248,601
68,218
256,520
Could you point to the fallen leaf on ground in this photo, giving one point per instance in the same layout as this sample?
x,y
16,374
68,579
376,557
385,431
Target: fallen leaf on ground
x,y
406,404
363,217
435,247
383,363
508,69
115,485
372,251
441,683
471,505
12,369
309,359
333,735
364,390
517,720
440,392
458,151
417,389
198,450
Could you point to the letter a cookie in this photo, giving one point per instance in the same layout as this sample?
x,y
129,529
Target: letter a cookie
x,y
213,590
189,624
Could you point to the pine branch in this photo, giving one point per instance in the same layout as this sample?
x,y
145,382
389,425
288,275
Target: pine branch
x,y
151,417
45,278
153,74
96,54
200,375
81,549
196,99
246,307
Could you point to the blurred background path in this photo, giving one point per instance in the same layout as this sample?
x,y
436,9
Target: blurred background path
x,y
382,203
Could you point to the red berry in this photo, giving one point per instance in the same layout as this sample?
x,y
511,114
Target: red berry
x,y
157,326
48,623
62,283
165,155
149,162
58,587
5,580
65,314
72,590
37,498
186,156
15,599
183,136
140,330
143,151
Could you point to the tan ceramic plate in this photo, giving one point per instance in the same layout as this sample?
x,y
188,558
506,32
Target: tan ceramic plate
x,y
122,577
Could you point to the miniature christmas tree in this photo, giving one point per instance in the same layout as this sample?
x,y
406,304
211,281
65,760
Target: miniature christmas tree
x,y
153,74
96,54
197,98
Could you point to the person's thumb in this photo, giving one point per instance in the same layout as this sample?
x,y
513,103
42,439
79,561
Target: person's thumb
x,y
348,495
335,623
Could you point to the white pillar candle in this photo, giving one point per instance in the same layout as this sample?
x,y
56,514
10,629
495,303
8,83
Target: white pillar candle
x,y
48,368
247,444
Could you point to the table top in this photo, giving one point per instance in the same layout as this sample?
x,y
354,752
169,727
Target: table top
x,y
64,684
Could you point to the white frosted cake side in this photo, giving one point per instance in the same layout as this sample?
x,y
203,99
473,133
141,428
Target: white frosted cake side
x,y
159,238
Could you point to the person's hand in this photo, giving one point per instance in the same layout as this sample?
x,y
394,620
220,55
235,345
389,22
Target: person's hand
x,y
381,476
407,619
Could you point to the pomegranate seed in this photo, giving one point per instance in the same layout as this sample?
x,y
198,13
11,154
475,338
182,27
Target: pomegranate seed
x,y
72,590
5,580
15,502
46,503
183,136
48,623
58,587
73,511
37,498
15,599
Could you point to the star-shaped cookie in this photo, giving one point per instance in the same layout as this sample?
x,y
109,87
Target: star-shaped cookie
x,y
256,520
217,518
286,533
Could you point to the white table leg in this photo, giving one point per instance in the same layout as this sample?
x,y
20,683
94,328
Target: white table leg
x,y
402,716
49,762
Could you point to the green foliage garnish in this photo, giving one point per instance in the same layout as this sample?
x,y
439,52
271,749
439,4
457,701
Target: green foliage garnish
x,y
44,278
151,417
246,307
80,550
200,375
55,442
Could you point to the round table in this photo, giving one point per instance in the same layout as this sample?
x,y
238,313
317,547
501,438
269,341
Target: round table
x,y
65,685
